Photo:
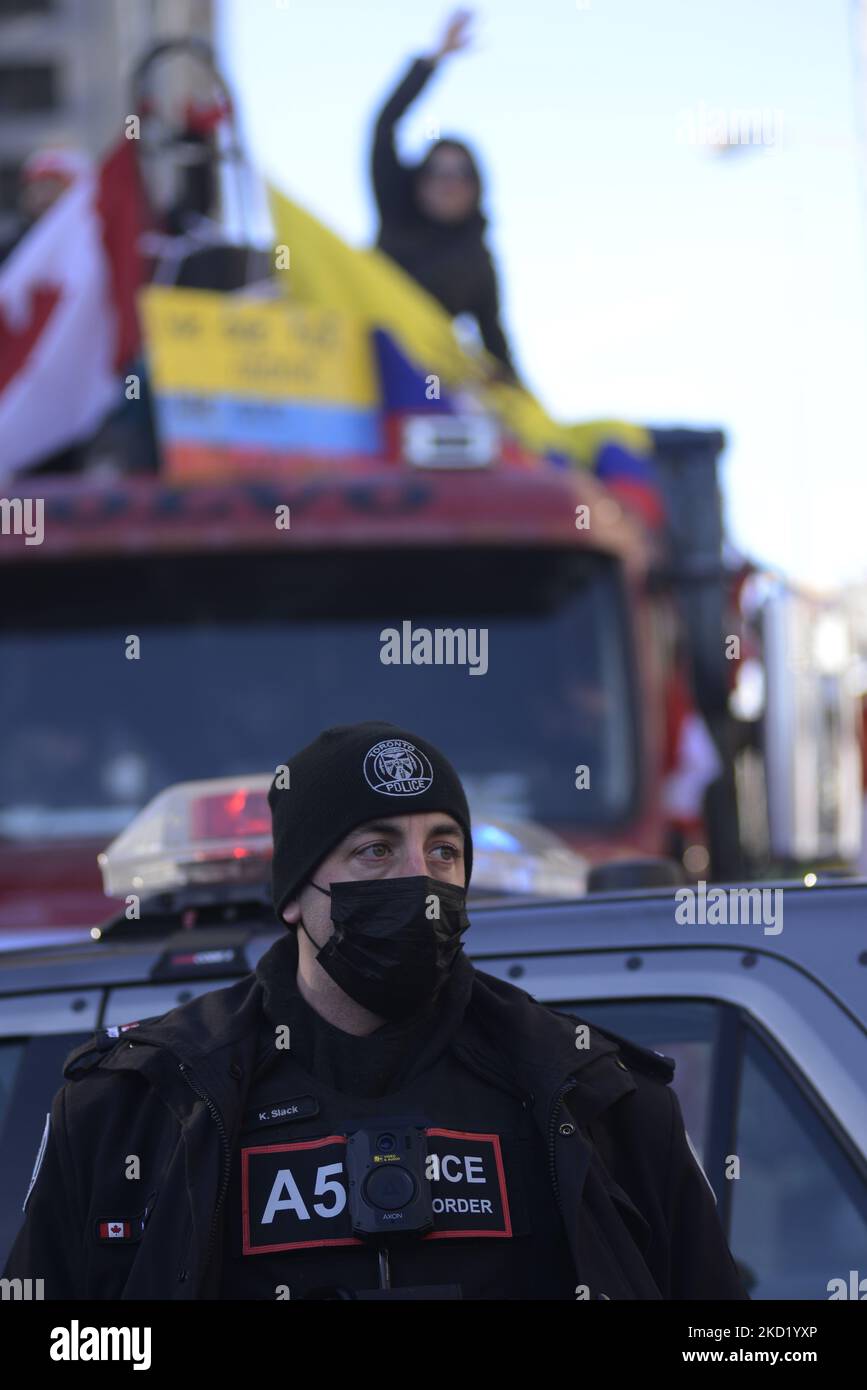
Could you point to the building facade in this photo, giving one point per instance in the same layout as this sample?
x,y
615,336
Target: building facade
x,y
65,68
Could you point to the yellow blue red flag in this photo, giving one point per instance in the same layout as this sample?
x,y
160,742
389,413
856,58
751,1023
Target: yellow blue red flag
x,y
410,326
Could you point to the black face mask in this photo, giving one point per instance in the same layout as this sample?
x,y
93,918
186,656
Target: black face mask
x,y
394,941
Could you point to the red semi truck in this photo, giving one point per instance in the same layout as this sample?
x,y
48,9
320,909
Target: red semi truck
x,y
161,633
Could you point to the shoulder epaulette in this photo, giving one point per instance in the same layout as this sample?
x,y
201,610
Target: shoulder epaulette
x,y
642,1059
90,1053
107,1038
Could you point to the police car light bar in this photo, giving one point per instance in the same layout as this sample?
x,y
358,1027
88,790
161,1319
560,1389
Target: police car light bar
x,y
523,857
214,831
219,832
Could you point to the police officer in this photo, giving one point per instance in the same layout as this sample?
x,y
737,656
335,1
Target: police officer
x,y
366,1115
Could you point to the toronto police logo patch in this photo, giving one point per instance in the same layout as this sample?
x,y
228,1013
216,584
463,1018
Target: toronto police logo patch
x,y
397,768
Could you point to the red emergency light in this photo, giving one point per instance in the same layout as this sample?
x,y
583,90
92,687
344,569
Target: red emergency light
x,y
230,816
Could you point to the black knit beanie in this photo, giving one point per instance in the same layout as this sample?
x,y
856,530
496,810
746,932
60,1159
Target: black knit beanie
x,y
348,775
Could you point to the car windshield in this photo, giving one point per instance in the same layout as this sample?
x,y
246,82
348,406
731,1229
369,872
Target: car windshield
x,y
240,660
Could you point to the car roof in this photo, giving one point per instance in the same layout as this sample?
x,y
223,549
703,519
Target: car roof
x,y
824,934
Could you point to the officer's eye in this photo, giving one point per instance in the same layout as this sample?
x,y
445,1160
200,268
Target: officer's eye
x,y
377,845
452,852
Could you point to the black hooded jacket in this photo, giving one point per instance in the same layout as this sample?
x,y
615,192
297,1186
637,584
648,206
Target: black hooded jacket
x,y
638,1213
449,260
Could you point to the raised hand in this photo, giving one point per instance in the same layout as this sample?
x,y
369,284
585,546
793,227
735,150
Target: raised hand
x,y
455,36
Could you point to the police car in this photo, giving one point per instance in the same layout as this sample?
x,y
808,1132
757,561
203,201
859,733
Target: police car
x,y
759,994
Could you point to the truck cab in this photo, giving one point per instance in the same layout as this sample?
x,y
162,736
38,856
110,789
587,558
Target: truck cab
x,y
162,633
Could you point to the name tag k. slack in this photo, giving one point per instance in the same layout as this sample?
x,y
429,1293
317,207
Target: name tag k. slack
x,y
281,1112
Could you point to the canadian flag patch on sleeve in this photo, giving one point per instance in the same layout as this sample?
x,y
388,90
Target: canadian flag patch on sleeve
x,y
118,1230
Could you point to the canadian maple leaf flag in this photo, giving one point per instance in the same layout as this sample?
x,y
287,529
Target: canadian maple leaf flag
x,y
67,314
113,1230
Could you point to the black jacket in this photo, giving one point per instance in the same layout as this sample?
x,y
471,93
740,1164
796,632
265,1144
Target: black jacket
x,y
638,1212
450,261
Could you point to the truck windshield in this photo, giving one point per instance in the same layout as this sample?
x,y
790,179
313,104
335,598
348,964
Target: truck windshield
x,y
122,677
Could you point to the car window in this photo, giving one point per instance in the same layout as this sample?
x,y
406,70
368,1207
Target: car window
x,y
34,1068
55,1011
11,1054
132,1002
685,1030
799,1208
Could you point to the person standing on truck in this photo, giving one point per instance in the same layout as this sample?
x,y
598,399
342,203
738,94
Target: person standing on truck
x,y
431,223
44,177
365,1080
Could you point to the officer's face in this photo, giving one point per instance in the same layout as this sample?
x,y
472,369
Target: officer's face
x,y
429,843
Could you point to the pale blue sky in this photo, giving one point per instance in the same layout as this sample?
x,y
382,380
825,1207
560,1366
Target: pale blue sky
x,y
642,276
